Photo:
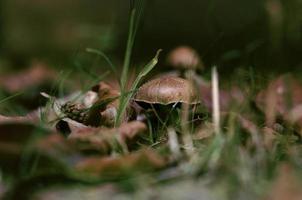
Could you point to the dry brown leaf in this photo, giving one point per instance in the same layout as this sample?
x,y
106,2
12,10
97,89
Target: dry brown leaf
x,y
103,115
32,117
33,76
130,130
54,144
204,131
25,86
15,134
17,129
97,139
105,91
143,160
286,186
282,97
269,137
100,139
104,191
226,97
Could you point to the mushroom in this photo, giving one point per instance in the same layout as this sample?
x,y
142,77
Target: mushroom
x,y
184,58
186,61
162,95
167,90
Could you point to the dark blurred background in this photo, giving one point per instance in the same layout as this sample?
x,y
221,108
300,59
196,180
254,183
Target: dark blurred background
x,y
262,34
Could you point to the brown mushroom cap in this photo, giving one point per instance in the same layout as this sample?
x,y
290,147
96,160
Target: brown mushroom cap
x,y
167,90
184,57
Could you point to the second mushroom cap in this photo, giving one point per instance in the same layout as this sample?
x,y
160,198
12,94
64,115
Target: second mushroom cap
x,y
184,57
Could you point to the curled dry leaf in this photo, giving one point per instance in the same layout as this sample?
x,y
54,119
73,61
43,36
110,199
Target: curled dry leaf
x,y
105,91
102,111
90,98
109,111
142,160
108,115
98,108
67,126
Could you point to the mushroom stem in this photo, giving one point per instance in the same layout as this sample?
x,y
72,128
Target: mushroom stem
x,y
188,142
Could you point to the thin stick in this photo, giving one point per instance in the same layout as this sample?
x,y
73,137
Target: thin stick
x,y
215,100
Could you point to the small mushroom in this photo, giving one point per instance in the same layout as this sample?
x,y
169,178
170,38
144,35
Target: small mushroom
x,y
167,90
186,61
184,58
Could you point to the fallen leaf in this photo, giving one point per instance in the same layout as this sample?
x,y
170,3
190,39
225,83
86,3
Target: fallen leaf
x,y
226,97
105,191
18,129
100,139
54,144
105,91
25,86
286,186
35,75
15,134
143,160
204,131
130,130
282,97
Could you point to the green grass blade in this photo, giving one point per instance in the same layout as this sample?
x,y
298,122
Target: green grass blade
x,y
10,97
146,70
125,98
128,53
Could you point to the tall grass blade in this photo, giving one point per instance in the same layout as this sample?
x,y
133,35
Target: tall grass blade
x,y
135,16
128,53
